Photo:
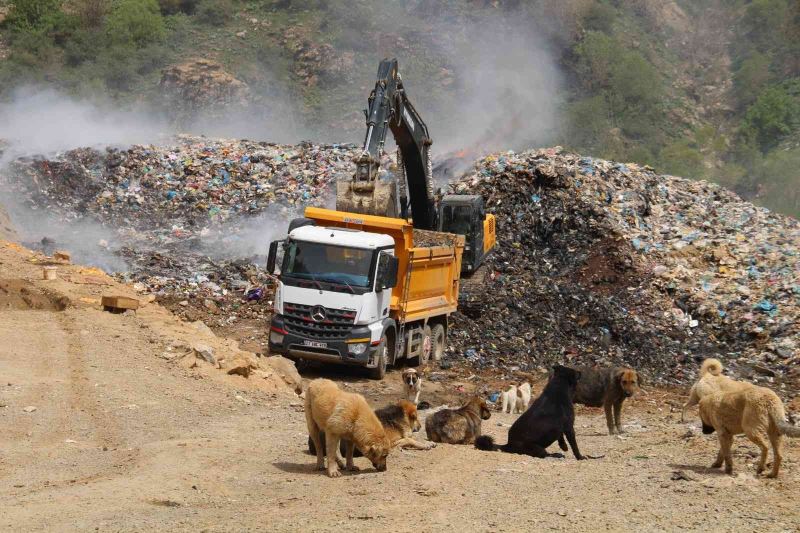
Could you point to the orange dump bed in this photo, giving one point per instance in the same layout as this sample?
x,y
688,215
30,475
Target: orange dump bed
x,y
428,275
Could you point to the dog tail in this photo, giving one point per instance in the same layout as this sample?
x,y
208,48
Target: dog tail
x,y
788,429
711,366
778,415
486,443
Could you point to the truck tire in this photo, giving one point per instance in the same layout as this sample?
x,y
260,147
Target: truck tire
x,y
380,369
438,342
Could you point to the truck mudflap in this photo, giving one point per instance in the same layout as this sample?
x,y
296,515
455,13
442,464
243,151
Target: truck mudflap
x,y
355,349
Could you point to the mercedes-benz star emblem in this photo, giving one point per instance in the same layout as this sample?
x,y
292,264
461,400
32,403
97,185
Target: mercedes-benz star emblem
x,y
318,313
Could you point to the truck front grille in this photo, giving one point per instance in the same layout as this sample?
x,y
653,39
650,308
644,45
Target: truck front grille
x,y
305,320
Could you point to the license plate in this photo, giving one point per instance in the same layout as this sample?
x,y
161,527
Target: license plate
x,y
315,344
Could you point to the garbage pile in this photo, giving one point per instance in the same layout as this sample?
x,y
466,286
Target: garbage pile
x,y
186,188
600,262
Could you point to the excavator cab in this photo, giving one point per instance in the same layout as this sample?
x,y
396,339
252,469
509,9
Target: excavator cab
x,y
465,215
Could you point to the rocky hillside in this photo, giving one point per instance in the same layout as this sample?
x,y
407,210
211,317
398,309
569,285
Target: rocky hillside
x,y
702,88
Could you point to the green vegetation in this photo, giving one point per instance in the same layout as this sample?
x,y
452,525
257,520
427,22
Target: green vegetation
x,y
709,89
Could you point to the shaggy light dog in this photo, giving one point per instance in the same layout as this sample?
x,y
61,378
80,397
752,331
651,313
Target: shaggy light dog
x,y
344,415
755,411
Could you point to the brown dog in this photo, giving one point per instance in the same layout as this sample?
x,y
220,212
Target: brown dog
x,y
458,426
755,411
344,415
607,388
711,381
400,421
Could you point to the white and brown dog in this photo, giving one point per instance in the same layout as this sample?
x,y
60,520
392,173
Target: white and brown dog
x,y
412,382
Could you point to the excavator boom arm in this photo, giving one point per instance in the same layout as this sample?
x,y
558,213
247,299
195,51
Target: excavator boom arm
x,y
390,110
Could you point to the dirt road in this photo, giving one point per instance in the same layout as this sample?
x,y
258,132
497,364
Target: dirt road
x,y
101,432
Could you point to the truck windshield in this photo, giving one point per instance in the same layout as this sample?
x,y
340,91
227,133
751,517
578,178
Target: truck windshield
x,y
327,263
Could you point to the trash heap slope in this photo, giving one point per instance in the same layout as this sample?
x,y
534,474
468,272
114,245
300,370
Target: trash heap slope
x,y
599,261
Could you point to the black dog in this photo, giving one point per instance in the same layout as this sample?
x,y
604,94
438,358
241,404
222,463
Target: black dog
x,y
550,418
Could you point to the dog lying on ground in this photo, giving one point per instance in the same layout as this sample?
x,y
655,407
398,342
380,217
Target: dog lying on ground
x,y
550,418
399,421
458,426
607,388
755,411
711,381
412,382
523,397
508,400
344,415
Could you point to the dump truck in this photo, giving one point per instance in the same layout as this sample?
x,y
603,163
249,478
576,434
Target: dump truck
x,y
362,290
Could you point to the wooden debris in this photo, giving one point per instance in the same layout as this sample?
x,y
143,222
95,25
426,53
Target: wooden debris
x,y
119,304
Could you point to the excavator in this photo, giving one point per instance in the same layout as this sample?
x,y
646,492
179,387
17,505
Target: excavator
x,y
411,195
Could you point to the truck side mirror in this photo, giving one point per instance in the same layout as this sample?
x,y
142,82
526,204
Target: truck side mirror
x,y
272,258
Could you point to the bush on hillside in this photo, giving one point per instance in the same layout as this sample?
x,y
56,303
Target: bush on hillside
x,y
135,23
773,116
215,12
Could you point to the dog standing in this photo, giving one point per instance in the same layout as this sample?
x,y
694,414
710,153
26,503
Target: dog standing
x,y
343,415
550,418
400,421
458,426
523,397
508,400
711,381
755,411
607,387
412,382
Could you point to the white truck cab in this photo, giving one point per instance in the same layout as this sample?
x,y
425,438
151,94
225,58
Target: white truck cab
x,y
333,297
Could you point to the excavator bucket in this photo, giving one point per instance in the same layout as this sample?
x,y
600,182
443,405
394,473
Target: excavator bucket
x,y
377,197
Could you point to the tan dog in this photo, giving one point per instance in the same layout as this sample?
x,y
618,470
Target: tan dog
x,y
344,415
458,426
711,381
755,411
400,421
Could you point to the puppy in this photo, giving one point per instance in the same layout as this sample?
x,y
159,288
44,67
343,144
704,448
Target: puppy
x,y
550,418
755,411
607,387
458,426
523,397
711,381
508,400
400,421
344,415
412,383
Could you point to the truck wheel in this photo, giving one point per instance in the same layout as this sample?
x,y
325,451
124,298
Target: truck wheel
x,y
438,340
380,369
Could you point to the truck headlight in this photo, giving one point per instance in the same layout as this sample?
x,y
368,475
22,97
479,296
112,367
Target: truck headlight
x,y
357,349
